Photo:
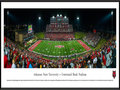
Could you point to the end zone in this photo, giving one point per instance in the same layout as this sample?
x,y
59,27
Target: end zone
x,y
84,45
34,45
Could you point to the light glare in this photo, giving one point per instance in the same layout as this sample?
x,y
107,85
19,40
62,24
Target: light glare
x,y
78,18
111,12
65,17
53,16
39,18
7,12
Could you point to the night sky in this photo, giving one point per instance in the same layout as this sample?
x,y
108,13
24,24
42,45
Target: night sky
x,y
100,19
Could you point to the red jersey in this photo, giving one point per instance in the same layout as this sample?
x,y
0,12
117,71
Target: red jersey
x,y
5,61
95,52
108,49
99,54
16,58
14,52
8,66
28,64
92,57
22,57
104,60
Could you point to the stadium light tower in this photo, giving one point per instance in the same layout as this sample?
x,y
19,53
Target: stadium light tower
x,y
78,22
39,21
39,18
111,12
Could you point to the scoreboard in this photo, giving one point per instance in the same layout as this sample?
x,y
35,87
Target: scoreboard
x,y
30,28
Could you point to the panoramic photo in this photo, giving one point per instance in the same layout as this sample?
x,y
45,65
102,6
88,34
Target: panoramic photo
x,y
60,38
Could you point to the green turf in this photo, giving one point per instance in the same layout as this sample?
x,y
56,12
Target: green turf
x,y
48,48
87,44
40,35
80,35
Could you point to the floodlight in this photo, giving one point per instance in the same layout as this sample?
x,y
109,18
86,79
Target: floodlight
x,y
57,15
78,18
7,12
53,16
65,17
60,15
111,12
39,18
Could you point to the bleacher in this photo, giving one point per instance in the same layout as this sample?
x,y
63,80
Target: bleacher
x,y
59,29
92,38
60,36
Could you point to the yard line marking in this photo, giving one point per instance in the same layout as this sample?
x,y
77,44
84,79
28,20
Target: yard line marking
x,y
34,45
84,45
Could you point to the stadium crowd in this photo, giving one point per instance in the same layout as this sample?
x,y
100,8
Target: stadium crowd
x,y
59,36
59,28
15,57
92,38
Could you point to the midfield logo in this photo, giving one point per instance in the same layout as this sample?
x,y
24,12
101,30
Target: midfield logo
x,y
59,46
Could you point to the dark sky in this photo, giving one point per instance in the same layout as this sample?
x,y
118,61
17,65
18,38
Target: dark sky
x,y
89,18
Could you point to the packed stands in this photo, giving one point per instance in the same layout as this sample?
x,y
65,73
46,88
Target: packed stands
x,y
60,36
15,57
59,29
92,38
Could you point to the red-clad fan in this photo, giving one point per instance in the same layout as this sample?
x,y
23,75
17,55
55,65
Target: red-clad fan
x,y
31,60
8,65
28,63
80,65
26,58
92,57
108,49
99,54
16,58
5,61
104,59
22,57
95,52
75,66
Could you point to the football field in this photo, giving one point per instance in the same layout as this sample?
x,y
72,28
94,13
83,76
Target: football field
x,y
58,48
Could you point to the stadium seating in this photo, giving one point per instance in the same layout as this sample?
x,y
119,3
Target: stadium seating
x,y
24,58
58,29
92,38
60,36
